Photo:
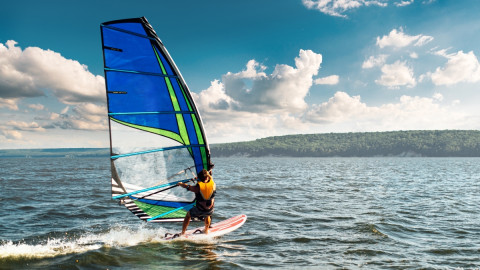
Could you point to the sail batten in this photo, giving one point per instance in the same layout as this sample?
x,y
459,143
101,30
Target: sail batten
x,y
156,150
151,188
169,112
144,73
156,132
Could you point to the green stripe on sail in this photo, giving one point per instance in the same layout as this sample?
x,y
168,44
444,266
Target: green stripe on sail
x,y
181,122
166,133
200,141
155,210
176,106
198,131
185,96
159,60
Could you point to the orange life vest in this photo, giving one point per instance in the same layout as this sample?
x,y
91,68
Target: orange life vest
x,y
207,189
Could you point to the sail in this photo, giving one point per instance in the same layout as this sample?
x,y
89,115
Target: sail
x,y
156,133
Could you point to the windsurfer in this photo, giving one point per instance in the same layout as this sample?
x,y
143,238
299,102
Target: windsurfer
x,y
204,190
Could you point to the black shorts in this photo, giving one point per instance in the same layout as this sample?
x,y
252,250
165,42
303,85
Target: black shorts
x,y
195,212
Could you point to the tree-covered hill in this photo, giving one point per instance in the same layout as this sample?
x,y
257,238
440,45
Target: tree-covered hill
x,y
444,143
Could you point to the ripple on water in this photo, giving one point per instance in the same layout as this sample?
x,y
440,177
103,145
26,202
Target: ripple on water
x,y
318,213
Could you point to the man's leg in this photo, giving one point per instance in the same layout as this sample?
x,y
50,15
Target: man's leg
x,y
186,221
207,223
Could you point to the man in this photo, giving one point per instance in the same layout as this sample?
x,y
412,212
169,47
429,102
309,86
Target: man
x,y
205,190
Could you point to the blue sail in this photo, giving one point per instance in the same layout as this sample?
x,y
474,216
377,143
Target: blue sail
x,y
156,133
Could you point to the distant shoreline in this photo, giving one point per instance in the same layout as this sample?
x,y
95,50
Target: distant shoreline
x,y
437,143
55,153
420,143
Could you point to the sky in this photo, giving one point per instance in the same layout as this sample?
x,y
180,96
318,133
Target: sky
x,y
255,68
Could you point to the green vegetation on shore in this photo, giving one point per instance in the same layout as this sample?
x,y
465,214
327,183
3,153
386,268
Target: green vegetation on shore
x,y
444,143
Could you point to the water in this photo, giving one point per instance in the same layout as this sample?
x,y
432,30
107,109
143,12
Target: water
x,y
304,213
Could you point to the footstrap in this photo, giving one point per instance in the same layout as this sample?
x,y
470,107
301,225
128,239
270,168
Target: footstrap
x,y
173,235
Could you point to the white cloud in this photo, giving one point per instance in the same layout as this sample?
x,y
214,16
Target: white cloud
x,y
407,114
93,115
53,116
11,103
35,72
240,125
404,3
14,83
338,7
437,96
373,61
230,116
27,73
65,110
12,130
214,97
397,74
341,113
461,67
396,38
254,70
338,108
422,40
329,80
32,126
38,107
252,90
11,134
84,116
251,101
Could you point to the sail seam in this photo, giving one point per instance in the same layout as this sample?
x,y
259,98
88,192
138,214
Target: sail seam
x,y
158,150
166,133
141,72
150,188
164,112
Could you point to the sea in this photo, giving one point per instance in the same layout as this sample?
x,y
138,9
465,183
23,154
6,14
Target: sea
x,y
303,213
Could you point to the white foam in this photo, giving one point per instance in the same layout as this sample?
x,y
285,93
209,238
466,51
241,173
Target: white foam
x,y
114,237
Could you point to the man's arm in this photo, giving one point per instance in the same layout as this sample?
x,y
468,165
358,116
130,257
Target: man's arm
x,y
188,187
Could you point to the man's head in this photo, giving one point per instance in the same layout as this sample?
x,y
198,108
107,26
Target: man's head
x,y
204,176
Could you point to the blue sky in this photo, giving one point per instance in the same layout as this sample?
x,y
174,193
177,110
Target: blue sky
x,y
256,68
